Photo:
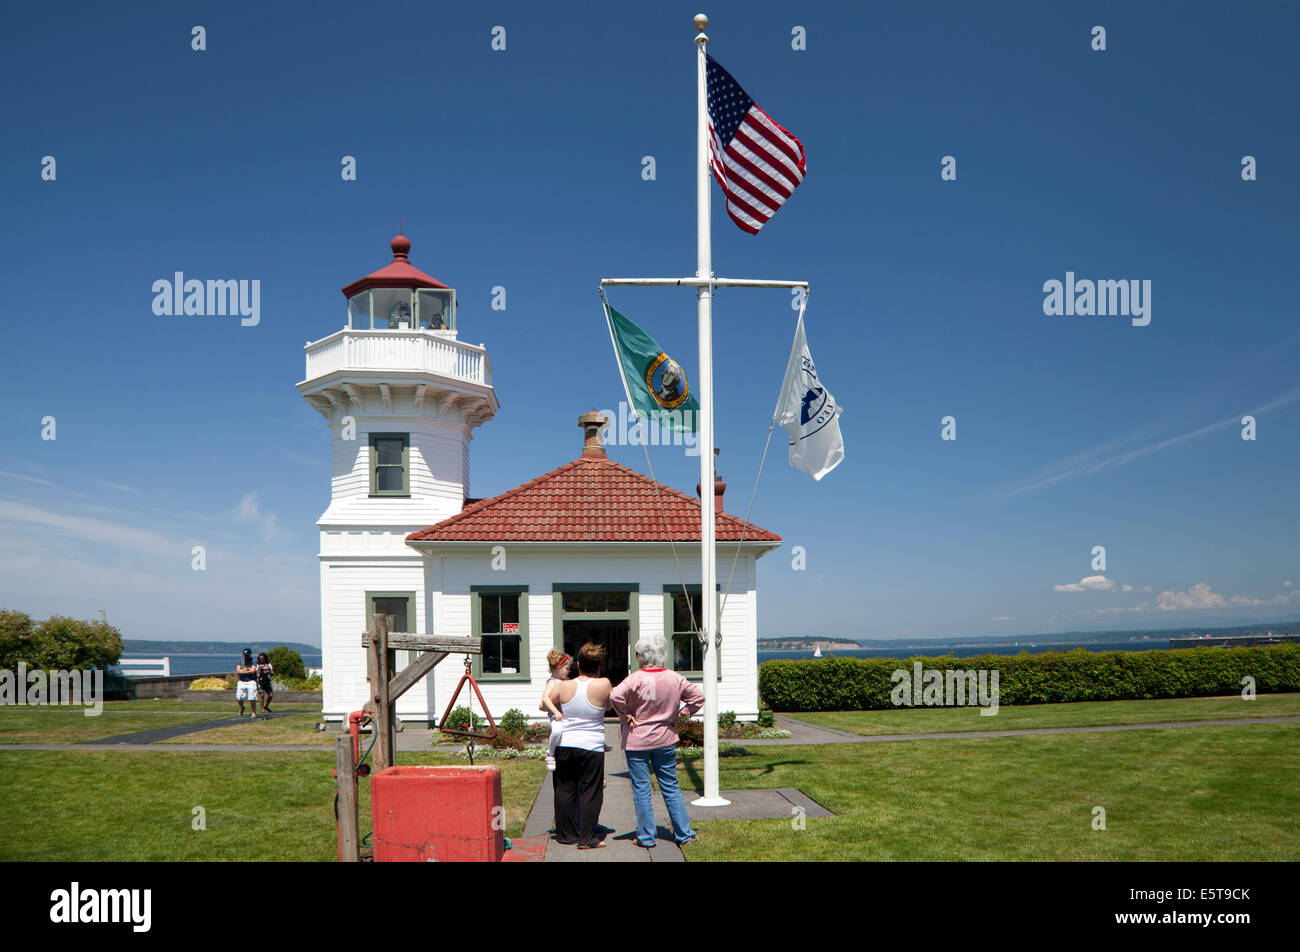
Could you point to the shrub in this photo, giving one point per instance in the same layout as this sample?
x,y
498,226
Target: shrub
x,y
514,723
726,720
505,741
766,718
863,684
314,683
462,720
537,732
689,733
208,684
286,662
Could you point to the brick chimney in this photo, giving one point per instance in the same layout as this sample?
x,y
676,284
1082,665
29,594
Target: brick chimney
x,y
592,423
719,487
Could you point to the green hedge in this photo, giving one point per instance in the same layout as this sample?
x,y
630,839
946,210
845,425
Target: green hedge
x,y
864,684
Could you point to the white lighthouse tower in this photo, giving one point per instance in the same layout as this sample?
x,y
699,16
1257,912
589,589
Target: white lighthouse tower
x,y
402,396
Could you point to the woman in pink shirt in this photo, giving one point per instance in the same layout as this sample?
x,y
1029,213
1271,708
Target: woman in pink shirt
x,y
648,703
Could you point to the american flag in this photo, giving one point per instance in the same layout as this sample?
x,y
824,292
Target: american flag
x,y
757,163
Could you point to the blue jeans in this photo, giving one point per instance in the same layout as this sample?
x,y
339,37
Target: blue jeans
x,y
664,762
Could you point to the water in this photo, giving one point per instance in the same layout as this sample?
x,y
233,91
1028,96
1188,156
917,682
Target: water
x,y
212,664
967,651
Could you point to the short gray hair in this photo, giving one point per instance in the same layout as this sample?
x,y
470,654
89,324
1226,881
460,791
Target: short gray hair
x,y
652,652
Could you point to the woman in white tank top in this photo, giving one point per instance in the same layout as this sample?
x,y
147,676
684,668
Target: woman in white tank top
x,y
580,757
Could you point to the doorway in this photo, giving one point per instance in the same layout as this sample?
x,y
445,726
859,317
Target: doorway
x,y
612,634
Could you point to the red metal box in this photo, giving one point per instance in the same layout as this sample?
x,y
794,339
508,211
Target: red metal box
x,y
437,814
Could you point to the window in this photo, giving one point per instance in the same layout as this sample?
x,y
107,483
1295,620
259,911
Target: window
x,y
401,605
681,630
500,618
390,473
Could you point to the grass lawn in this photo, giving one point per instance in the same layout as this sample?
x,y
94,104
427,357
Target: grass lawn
x,y
295,731
70,725
87,806
1225,793
926,720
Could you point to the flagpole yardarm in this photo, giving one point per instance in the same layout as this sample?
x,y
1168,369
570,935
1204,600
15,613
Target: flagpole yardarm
x,y
697,282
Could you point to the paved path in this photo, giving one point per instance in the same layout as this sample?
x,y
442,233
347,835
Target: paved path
x,y
178,730
173,748
617,817
618,814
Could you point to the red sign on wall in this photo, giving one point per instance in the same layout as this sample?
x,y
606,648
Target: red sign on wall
x,y
510,628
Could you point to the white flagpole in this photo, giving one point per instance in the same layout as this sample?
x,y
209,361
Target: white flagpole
x,y
708,552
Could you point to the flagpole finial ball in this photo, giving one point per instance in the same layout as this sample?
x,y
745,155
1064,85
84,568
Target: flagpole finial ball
x,y
701,22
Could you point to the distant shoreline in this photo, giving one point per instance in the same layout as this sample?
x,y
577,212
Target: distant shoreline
x,y
1077,638
138,646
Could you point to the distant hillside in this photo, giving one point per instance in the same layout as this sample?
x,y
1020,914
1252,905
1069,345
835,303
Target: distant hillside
x,y
1053,638
137,646
799,644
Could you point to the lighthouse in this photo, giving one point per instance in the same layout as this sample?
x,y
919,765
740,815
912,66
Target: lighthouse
x,y
401,395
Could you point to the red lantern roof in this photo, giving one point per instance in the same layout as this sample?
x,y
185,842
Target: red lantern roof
x,y
400,273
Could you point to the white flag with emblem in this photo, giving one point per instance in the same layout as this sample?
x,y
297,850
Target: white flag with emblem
x,y
808,413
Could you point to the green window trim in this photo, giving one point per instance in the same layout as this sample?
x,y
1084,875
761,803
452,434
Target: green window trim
x,y
375,465
411,622
476,629
670,634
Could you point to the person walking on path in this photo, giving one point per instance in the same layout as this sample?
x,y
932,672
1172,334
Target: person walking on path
x,y
247,686
580,756
265,671
648,703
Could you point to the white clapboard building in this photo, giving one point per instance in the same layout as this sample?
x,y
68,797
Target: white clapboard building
x,y
580,553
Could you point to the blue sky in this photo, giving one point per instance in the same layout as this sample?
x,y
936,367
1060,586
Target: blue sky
x,y
522,169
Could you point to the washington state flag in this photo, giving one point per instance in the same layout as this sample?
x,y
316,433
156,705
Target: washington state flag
x,y
655,384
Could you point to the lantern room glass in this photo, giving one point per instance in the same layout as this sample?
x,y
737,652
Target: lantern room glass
x,y
403,309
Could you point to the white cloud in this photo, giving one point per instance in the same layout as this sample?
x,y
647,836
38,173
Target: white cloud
x,y
1115,453
30,479
1127,588
1004,618
250,511
85,530
1199,596
1089,583
1286,584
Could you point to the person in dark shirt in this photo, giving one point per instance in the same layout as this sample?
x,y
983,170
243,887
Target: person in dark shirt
x,y
264,673
247,686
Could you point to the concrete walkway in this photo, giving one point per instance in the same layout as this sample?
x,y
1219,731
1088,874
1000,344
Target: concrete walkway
x,y
618,814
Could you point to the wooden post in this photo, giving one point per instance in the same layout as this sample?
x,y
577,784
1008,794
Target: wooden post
x,y
349,822
385,753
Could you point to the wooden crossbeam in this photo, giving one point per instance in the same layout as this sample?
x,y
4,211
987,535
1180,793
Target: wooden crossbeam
x,y
405,680
449,644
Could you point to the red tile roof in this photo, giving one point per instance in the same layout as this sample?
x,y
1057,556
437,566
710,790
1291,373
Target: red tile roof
x,y
587,500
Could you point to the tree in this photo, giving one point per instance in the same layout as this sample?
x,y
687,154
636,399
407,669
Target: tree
x,y
58,643
16,639
286,662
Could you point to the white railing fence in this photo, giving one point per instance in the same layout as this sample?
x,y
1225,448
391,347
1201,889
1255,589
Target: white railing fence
x,y
162,667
